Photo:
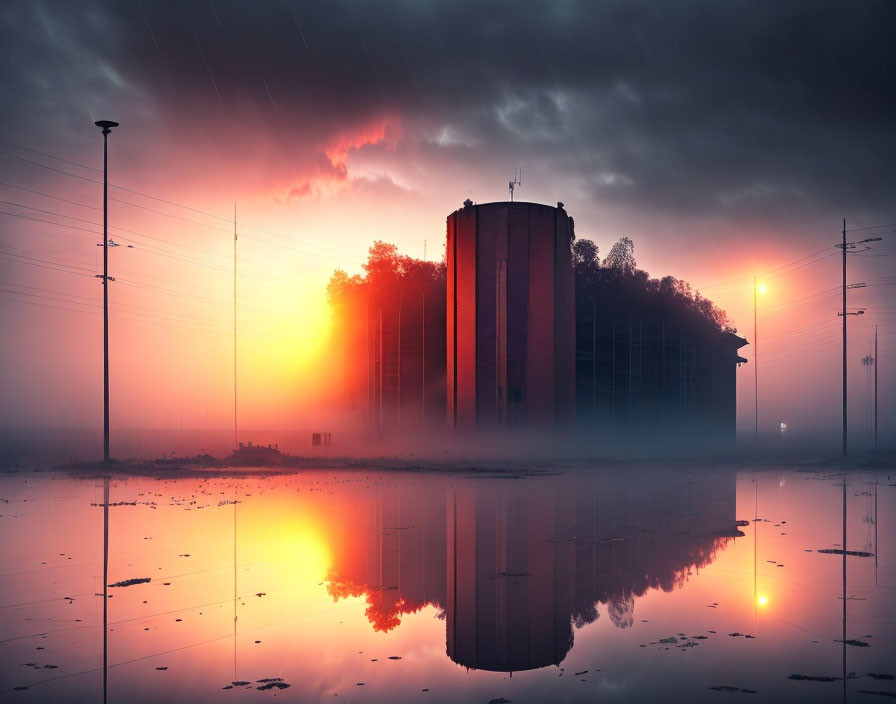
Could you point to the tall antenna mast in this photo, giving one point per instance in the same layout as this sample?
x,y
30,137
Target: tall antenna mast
x,y
517,181
235,435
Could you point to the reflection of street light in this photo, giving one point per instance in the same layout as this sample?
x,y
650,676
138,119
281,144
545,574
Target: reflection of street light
x,y
757,289
106,126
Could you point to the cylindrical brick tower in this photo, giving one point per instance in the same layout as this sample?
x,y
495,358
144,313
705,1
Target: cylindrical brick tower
x,y
511,316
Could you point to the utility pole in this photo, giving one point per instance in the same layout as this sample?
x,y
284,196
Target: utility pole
x,y
106,126
846,247
235,434
844,359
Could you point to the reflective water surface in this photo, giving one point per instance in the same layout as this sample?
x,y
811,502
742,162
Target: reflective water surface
x,y
370,586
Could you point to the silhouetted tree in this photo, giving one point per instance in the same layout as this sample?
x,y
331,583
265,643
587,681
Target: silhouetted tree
x,y
387,276
622,290
621,256
389,327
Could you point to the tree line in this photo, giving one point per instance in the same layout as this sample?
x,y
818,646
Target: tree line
x,y
616,286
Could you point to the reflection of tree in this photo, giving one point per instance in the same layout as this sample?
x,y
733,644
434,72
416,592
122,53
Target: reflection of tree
x,y
515,569
385,606
586,614
626,582
622,610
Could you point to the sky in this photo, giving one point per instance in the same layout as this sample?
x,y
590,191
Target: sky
x,y
726,139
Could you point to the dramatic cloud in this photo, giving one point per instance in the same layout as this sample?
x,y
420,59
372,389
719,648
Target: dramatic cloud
x,y
684,107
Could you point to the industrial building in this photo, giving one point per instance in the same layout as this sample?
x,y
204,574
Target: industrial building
x,y
510,316
640,378
509,332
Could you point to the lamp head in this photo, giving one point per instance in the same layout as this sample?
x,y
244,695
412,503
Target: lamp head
x,y
107,125
762,288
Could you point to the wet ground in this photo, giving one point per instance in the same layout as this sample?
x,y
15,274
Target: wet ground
x,y
634,584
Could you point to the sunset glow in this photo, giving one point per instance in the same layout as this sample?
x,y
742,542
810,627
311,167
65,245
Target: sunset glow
x,y
447,351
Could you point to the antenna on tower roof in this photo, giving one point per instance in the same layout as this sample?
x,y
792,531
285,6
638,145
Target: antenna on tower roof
x,y
517,181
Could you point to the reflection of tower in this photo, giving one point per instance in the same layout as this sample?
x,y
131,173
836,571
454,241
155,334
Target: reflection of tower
x,y
510,591
516,567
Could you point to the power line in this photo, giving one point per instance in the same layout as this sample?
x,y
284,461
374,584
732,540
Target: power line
x,y
769,271
47,195
130,315
138,284
794,303
9,256
168,202
870,227
50,156
149,248
36,257
143,234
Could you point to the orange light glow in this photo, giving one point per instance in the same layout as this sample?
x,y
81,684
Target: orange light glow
x,y
761,600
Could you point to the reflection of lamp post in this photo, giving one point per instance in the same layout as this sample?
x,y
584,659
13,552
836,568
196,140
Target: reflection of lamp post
x,y
757,289
106,126
755,546
105,586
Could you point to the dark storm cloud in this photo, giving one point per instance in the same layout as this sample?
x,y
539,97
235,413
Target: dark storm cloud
x,y
676,106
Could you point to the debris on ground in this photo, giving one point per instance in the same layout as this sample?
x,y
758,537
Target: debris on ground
x,y
131,582
271,683
812,678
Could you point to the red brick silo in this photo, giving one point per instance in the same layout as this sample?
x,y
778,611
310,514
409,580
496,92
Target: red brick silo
x,y
511,316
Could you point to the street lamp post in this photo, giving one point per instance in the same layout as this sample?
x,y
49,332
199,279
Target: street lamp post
x,y
106,126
